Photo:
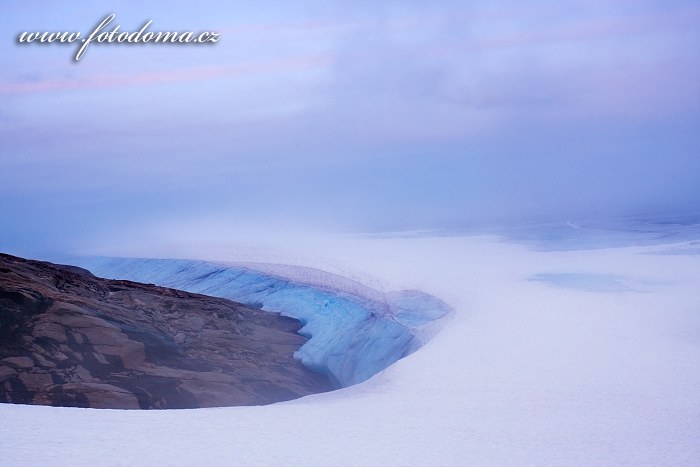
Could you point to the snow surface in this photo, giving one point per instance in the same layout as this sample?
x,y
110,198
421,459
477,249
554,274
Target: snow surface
x,y
525,372
355,332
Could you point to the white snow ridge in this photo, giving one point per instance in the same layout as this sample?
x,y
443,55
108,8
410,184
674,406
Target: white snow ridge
x,y
549,358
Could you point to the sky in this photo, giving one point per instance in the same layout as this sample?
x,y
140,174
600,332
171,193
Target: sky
x,y
345,115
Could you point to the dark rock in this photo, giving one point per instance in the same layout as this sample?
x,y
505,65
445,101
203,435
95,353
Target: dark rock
x,y
6,373
71,268
68,338
18,362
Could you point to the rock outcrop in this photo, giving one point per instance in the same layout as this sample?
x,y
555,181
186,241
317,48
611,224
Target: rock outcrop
x,y
68,338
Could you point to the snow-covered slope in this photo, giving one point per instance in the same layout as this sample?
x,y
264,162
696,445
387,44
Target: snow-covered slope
x,y
530,370
355,331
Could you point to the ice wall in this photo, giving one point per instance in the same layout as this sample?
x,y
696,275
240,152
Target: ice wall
x,y
353,332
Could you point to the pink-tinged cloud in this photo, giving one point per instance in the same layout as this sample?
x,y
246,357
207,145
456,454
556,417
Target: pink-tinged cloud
x,y
164,77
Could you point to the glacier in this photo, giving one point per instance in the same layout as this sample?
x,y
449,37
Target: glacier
x,y
354,331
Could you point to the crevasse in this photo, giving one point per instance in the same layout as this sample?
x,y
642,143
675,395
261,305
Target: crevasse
x,y
352,335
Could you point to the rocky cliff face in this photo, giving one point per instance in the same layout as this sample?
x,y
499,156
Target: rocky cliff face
x,y
68,338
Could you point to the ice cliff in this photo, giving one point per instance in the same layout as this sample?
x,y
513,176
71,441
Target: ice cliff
x,y
354,331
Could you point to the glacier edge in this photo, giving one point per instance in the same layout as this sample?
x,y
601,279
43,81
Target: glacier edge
x,y
354,331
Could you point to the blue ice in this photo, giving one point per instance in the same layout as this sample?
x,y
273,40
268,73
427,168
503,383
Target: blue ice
x,y
351,337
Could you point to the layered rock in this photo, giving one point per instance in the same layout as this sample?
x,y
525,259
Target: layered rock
x,y
68,338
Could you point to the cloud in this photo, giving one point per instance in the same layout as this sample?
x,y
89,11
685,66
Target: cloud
x,y
163,77
355,114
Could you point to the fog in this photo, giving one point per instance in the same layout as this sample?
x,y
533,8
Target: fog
x,y
351,116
